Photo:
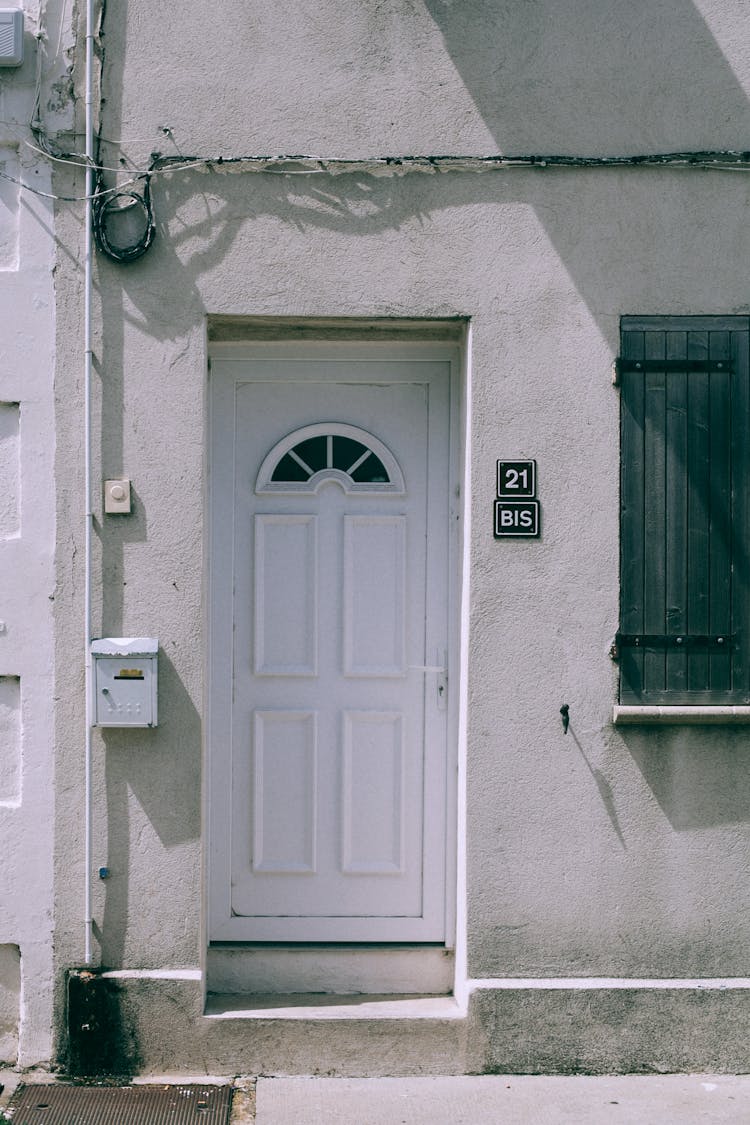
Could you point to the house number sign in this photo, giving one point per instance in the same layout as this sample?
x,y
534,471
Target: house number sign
x,y
516,507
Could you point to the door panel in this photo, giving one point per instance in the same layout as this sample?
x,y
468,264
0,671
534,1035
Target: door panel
x,y
286,591
373,793
284,774
328,747
374,595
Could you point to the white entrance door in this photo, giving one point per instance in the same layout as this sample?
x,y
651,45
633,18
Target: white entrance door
x,y
329,501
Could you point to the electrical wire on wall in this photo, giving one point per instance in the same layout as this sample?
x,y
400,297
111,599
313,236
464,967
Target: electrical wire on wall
x,y
109,208
109,205
122,206
123,220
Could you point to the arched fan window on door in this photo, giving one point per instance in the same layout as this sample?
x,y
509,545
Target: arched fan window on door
x,y
307,458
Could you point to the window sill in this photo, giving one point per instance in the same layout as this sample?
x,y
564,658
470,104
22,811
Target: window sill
x,y
683,715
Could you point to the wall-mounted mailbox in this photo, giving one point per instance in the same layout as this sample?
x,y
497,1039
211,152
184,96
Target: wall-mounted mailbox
x,y
125,681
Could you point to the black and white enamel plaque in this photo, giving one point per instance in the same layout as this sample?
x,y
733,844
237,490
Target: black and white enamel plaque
x,y
516,479
516,507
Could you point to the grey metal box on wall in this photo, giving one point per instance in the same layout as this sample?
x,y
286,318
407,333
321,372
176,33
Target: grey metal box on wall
x,y
11,37
125,681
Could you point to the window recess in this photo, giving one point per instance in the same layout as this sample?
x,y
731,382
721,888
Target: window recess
x,y
684,488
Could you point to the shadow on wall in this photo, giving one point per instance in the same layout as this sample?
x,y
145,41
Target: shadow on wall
x,y
117,531
604,789
630,226
698,775
582,76
546,76
147,796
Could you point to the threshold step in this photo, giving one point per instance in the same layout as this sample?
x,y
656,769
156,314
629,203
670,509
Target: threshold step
x,y
327,1006
422,970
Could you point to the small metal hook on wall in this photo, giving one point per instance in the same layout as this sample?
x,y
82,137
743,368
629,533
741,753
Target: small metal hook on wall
x,y
564,711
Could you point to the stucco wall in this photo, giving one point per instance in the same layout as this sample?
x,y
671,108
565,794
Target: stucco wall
x,y
27,546
602,852
405,76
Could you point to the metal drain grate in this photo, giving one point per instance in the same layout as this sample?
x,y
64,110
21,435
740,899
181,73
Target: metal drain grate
x,y
122,1105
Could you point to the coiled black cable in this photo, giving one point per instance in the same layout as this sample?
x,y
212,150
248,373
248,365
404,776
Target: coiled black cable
x,y
107,204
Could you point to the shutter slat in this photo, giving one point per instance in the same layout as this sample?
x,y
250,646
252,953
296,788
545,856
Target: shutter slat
x,y
720,511
655,578
676,511
740,512
698,510
631,516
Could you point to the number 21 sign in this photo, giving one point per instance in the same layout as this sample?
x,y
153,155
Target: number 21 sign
x,y
516,479
516,508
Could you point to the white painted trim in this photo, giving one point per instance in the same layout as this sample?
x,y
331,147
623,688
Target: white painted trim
x,y
207,643
153,974
583,984
688,715
349,1008
182,1080
461,656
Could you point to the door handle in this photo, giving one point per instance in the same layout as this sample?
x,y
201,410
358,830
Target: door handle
x,y
441,680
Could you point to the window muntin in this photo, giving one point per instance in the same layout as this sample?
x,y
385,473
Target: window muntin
x,y
307,458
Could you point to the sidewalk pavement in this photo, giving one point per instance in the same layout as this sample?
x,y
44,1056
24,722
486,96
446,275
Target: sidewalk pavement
x,y
678,1099
502,1100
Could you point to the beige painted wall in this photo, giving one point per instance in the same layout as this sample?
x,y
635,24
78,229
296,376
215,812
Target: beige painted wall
x,y
603,852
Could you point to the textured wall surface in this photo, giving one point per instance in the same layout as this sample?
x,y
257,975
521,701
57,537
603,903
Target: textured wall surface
x,y
27,575
599,853
434,75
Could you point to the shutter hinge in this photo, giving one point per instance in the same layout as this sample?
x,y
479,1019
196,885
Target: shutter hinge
x,y
701,642
668,366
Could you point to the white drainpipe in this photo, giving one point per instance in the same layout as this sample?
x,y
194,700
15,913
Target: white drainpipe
x,y
88,286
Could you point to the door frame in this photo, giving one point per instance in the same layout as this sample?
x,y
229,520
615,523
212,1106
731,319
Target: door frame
x,y
407,341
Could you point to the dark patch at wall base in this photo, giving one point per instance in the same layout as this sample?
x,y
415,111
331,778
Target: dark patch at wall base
x,y
99,1040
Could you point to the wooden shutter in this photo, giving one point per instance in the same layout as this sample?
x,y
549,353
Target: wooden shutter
x,y
685,440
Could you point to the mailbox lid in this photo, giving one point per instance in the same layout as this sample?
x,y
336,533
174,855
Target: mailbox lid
x,y
125,646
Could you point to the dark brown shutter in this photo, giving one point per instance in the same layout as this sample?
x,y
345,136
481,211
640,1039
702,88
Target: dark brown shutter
x,y
685,452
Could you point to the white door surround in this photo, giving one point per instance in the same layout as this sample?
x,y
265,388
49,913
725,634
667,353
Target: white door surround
x,y
331,754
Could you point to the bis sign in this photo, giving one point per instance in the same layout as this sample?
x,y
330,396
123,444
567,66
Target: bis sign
x,y
516,508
